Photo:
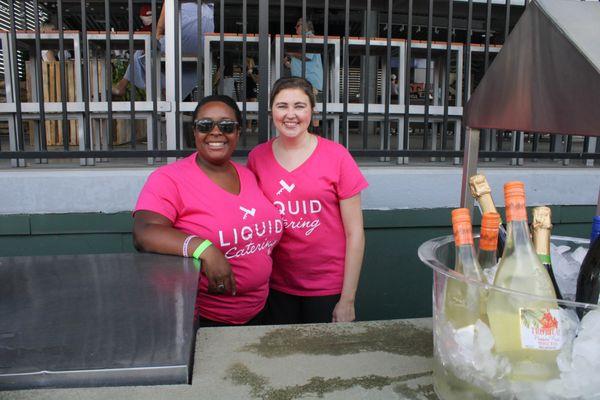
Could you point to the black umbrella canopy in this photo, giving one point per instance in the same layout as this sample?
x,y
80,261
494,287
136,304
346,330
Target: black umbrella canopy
x,y
547,76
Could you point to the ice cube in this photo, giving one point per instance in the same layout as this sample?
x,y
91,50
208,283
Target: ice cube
x,y
566,270
490,273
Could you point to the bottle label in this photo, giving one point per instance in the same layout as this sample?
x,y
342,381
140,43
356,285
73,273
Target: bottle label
x,y
540,328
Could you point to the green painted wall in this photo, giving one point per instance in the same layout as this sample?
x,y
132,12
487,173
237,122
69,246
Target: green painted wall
x,y
394,283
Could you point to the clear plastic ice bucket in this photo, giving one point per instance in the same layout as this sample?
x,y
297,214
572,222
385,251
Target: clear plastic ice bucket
x,y
466,363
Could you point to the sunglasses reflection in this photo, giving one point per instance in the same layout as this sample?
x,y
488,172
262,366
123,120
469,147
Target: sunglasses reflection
x,y
206,125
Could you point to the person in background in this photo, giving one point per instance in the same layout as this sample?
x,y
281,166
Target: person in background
x,y
316,185
394,88
313,65
190,42
208,207
251,86
52,55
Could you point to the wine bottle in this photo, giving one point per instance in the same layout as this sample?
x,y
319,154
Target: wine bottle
x,y
481,191
488,240
595,229
541,227
526,330
464,302
588,281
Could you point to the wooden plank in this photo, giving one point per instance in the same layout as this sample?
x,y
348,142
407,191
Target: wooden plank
x,y
70,67
29,73
46,96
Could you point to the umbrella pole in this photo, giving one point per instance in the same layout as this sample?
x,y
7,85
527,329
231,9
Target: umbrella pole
x,y
470,160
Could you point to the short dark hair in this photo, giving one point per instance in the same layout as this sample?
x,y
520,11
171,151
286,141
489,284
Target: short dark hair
x,y
220,98
293,83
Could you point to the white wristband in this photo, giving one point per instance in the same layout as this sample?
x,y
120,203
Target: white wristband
x,y
186,243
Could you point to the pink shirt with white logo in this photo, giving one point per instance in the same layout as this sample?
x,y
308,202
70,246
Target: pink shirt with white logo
x,y
245,227
309,260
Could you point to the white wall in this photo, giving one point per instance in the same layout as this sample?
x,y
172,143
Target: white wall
x,y
113,190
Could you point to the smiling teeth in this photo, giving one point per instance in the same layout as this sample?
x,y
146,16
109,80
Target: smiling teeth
x,y
216,145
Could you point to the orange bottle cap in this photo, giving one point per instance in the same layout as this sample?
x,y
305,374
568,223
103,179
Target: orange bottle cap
x,y
490,225
514,199
461,226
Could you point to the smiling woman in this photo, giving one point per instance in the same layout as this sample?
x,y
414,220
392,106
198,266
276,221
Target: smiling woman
x,y
316,186
210,208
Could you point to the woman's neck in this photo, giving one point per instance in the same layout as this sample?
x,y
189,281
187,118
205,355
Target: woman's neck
x,y
211,168
300,142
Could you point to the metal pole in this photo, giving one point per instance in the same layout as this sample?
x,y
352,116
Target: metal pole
x,y
470,159
263,70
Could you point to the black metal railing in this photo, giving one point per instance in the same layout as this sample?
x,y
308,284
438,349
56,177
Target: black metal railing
x,y
437,52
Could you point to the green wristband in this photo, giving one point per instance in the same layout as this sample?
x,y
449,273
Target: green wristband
x,y
200,249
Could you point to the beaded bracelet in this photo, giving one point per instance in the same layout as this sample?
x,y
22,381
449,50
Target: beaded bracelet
x,y
186,243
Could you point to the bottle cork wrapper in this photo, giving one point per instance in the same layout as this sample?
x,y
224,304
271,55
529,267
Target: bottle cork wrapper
x,y
488,239
462,233
514,201
479,186
541,227
481,191
461,226
541,241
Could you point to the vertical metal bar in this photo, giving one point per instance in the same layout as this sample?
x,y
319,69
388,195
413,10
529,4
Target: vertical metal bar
x,y
326,67
345,125
42,145
86,80
132,88
447,77
500,134
365,77
488,31
536,142
388,83
407,75
17,86
569,143
200,52
507,20
63,78
108,75
178,98
244,65
466,89
222,45
428,75
155,89
304,21
263,70
281,36
471,157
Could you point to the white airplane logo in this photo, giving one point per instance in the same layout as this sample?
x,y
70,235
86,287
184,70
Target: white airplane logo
x,y
248,212
286,187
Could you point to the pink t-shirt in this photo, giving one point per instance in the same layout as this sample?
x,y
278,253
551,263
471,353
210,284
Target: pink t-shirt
x,y
309,260
245,227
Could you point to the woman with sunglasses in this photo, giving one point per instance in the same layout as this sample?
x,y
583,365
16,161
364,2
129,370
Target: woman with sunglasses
x,y
316,186
208,207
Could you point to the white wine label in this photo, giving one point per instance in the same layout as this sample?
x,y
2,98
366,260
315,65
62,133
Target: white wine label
x,y
539,329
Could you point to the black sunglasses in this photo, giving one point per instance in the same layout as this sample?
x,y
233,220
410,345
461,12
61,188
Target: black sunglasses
x,y
206,125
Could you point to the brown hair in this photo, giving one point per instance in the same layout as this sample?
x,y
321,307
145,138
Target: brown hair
x,y
293,83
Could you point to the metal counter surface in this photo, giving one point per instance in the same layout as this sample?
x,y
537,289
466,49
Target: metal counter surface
x,y
95,320
361,360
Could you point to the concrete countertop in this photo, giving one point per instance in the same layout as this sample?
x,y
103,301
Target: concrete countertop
x,y
374,360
